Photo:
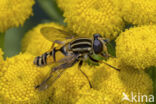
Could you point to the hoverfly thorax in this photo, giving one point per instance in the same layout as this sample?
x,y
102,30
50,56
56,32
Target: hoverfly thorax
x,y
97,44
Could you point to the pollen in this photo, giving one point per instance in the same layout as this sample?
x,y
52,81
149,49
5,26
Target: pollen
x,y
19,79
139,12
138,50
86,17
35,43
14,13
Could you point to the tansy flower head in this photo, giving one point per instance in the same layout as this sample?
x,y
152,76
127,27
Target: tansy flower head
x,y
109,81
35,43
86,17
19,79
13,13
139,12
138,49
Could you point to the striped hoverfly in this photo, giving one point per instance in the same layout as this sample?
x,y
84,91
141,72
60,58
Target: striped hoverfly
x,y
74,50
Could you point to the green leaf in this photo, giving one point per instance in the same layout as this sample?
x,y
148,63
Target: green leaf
x,y
50,7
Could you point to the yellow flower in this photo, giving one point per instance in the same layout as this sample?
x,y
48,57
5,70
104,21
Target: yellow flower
x,y
35,43
1,59
13,13
139,12
115,83
136,47
19,79
86,17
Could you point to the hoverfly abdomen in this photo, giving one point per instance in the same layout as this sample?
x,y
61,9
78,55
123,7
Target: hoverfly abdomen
x,y
46,58
41,60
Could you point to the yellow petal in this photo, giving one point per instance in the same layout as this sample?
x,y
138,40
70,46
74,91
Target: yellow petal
x,y
136,47
14,13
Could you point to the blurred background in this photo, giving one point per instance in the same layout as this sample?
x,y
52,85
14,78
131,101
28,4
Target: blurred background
x,y
44,11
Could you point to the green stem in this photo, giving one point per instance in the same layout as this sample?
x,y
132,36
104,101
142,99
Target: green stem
x,y
50,7
2,37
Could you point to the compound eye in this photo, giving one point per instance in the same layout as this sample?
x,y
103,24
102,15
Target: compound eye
x,y
97,46
96,35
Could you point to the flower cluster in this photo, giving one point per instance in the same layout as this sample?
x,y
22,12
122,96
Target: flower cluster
x,y
139,44
94,16
14,13
18,80
139,12
135,51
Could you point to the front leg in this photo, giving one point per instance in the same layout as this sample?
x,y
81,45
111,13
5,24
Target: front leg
x,y
97,61
79,67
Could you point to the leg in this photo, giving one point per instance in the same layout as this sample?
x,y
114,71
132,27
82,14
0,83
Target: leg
x,y
79,67
94,60
105,55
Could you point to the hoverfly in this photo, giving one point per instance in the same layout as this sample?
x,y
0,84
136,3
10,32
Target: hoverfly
x,y
75,50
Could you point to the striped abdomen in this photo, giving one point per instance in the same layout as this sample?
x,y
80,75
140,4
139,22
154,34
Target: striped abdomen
x,y
81,45
44,58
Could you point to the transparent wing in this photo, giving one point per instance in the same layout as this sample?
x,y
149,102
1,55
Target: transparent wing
x,y
52,33
56,72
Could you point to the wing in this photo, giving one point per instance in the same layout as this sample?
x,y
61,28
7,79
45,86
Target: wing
x,y
56,72
50,79
54,33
